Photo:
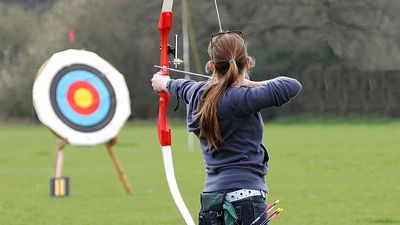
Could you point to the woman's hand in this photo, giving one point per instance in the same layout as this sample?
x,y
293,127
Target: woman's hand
x,y
159,82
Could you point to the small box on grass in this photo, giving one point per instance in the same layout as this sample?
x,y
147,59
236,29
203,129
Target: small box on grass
x,y
59,186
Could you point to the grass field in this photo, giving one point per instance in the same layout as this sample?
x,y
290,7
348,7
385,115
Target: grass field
x,y
324,174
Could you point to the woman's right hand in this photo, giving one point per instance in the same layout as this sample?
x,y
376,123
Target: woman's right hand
x,y
159,82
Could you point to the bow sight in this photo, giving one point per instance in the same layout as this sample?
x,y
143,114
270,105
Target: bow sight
x,y
173,50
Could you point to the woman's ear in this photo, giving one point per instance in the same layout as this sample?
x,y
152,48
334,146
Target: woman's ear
x,y
211,66
248,62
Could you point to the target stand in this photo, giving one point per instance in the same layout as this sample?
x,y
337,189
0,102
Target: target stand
x,y
85,101
59,185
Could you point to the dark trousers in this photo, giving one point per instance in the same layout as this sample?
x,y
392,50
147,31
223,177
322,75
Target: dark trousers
x,y
247,210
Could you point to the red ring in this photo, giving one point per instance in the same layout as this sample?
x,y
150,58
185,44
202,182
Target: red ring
x,y
71,101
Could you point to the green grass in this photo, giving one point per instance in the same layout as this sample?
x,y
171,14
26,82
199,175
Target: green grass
x,y
324,174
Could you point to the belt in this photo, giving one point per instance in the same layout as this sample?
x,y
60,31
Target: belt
x,y
244,193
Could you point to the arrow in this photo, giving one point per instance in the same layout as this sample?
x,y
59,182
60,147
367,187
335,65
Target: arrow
x,y
181,71
269,208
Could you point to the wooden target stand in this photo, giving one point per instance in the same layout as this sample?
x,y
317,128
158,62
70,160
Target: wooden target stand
x,y
95,122
59,185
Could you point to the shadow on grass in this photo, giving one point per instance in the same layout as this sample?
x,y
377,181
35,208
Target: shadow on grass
x,y
385,221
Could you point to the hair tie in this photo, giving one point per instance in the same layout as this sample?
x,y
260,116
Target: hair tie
x,y
232,61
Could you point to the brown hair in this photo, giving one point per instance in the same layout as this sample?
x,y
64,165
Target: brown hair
x,y
229,61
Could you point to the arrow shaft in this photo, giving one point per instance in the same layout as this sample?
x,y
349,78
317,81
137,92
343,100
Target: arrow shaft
x,y
181,71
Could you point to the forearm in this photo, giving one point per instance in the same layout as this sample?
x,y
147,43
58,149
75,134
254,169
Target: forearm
x,y
181,88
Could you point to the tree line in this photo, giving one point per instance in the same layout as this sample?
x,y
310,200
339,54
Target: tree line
x,y
345,53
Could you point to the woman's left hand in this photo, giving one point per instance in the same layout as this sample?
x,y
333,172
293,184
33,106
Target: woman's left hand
x,y
159,82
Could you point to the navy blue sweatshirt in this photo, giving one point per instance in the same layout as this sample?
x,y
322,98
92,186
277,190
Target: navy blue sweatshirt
x,y
242,161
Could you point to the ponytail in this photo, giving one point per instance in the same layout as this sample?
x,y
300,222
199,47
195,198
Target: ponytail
x,y
208,108
228,56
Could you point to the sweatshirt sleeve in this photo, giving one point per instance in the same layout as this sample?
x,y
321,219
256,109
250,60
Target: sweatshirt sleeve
x,y
181,88
275,92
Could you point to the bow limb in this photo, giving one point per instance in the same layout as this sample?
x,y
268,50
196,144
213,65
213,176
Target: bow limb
x,y
164,131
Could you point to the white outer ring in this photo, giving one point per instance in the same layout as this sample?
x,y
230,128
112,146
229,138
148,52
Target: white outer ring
x,y
44,109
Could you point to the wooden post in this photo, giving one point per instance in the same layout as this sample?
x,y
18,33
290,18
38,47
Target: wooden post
x,y
59,185
118,166
59,158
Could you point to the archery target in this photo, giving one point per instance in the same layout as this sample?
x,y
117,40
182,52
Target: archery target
x,y
81,97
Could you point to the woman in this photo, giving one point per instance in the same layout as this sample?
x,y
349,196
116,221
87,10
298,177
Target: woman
x,y
224,113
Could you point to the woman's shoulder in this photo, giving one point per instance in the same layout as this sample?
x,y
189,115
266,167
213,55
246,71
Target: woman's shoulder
x,y
235,91
233,96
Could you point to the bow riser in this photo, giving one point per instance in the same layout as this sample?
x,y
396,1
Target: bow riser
x,y
164,26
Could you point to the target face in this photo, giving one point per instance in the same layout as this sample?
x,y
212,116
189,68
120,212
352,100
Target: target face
x,y
81,97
